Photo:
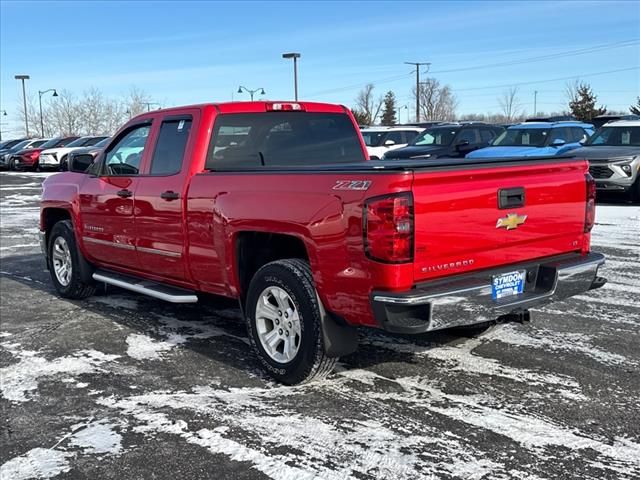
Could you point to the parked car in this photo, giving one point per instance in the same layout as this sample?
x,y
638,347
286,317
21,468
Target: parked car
x,y
537,139
54,158
7,156
600,120
90,153
380,140
447,140
29,158
311,237
553,118
614,157
7,144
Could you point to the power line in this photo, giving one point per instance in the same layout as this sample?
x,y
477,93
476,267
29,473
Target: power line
x,y
418,65
533,82
586,50
582,51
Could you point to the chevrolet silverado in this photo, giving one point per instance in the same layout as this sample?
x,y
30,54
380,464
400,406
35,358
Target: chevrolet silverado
x,y
276,204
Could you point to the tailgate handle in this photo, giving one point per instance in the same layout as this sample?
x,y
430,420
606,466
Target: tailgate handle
x,y
511,197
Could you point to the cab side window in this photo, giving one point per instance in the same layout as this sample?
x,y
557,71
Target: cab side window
x,y
397,137
124,157
170,147
470,135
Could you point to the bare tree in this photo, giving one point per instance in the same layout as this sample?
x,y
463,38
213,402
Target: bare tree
x,y
510,104
367,105
437,101
90,114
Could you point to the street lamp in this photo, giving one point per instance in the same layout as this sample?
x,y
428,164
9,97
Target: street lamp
x,y
24,100
405,107
40,93
148,104
295,57
251,92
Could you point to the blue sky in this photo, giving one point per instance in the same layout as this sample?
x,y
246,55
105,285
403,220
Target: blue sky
x,y
191,52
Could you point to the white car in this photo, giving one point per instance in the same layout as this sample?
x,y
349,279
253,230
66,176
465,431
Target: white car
x,y
54,158
379,140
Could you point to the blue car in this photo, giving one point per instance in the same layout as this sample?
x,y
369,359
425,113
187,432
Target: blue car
x,y
536,139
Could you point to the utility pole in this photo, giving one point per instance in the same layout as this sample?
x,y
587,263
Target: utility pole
x,y
24,100
535,102
418,65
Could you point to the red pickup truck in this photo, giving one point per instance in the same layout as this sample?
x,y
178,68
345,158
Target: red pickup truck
x,y
276,205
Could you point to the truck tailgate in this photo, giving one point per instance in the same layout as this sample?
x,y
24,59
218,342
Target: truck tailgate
x,y
458,226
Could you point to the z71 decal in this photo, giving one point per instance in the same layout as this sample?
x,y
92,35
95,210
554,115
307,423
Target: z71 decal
x,y
352,185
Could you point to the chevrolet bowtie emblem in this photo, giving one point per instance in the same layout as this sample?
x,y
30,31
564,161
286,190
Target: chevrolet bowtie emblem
x,y
511,221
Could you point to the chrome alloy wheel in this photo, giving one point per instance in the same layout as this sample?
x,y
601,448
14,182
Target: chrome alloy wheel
x,y
61,259
278,324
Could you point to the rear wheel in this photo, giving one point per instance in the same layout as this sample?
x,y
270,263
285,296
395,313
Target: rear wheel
x,y
64,262
284,323
63,164
12,164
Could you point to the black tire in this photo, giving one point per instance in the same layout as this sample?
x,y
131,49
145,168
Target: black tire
x,y
12,165
76,288
311,361
63,164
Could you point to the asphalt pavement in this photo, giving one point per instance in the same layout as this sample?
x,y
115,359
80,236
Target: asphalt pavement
x,y
120,386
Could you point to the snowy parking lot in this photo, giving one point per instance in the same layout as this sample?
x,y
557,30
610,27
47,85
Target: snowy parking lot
x,y
122,386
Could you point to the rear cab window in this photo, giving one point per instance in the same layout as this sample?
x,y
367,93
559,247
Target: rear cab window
x,y
171,145
245,140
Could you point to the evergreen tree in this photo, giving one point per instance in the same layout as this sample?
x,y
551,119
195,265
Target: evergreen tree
x,y
635,109
389,110
361,117
583,103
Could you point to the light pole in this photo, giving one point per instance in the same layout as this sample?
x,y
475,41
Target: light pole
x,y
148,104
295,57
4,114
417,65
535,102
251,92
405,107
40,93
24,100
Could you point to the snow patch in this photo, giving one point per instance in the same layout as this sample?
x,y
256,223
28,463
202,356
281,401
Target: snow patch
x,y
97,437
21,378
143,347
36,463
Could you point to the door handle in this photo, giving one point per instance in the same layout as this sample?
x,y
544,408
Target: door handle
x,y
169,195
125,193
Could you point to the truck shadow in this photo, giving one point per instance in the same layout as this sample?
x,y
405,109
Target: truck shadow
x,y
204,323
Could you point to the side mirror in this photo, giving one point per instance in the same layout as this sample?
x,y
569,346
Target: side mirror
x,y
558,142
80,163
388,143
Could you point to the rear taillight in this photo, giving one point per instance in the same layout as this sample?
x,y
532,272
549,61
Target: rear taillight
x,y
590,210
34,155
388,228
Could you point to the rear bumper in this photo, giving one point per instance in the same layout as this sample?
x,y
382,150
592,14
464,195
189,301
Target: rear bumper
x,y
467,300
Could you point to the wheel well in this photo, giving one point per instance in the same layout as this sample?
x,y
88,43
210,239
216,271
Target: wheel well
x,y
51,216
255,249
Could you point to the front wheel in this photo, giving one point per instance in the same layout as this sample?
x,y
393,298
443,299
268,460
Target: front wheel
x,y
64,262
284,322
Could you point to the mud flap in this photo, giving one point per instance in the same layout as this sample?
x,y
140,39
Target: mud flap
x,y
339,340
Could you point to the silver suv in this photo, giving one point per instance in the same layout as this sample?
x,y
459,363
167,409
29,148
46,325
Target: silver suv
x,y
614,157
